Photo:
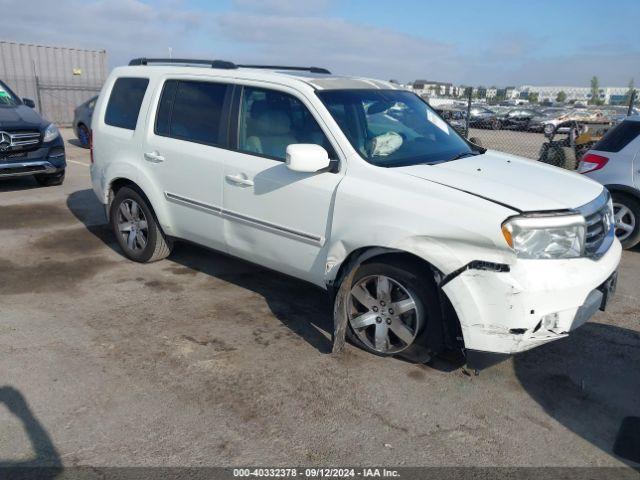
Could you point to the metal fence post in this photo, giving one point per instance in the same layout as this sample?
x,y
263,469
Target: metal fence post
x,y
37,80
632,99
466,120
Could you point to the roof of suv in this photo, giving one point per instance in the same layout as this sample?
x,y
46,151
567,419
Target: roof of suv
x,y
318,81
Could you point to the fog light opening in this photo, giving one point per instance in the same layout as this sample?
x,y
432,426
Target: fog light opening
x,y
517,331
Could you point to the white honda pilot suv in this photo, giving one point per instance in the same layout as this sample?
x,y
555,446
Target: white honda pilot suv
x,y
424,240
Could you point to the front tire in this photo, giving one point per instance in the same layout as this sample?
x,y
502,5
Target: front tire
x,y
626,210
136,228
388,308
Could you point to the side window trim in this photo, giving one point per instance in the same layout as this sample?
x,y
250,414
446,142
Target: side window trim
x,y
223,128
171,101
234,117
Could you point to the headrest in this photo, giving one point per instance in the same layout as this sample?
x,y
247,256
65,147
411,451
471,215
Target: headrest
x,y
271,122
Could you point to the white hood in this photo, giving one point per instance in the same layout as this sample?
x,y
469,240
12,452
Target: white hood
x,y
525,185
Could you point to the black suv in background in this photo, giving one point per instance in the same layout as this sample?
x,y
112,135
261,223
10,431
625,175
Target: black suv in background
x,y
29,144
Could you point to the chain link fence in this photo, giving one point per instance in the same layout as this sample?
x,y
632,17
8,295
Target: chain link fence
x,y
538,128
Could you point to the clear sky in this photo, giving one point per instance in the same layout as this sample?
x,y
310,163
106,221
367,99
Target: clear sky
x,y
488,42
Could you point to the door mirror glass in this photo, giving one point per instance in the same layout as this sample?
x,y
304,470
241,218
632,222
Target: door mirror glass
x,y
29,103
306,157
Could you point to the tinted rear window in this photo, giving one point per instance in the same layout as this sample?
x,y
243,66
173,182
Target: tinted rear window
x,y
618,137
125,101
192,111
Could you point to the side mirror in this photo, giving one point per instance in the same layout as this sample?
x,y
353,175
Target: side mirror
x,y
307,157
476,141
29,103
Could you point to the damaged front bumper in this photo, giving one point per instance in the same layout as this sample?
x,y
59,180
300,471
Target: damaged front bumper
x,y
535,302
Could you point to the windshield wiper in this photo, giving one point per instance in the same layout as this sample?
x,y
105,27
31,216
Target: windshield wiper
x,y
464,154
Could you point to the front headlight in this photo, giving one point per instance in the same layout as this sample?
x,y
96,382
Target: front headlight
x,y
540,236
51,133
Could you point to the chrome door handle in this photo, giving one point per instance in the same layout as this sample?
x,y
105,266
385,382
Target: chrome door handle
x,y
239,180
153,157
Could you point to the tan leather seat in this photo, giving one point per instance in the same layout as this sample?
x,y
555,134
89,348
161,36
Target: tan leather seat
x,y
268,131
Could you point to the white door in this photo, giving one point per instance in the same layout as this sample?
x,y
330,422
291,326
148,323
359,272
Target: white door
x,y
182,157
274,216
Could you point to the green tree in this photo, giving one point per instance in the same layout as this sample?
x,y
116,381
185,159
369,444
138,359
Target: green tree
x,y
561,97
627,97
595,91
533,97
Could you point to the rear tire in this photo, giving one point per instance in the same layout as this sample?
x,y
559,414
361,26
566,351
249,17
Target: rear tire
x,y
393,323
558,156
83,135
136,228
51,180
627,211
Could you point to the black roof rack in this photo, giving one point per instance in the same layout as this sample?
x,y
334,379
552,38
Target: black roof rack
x,y
280,67
223,64
212,63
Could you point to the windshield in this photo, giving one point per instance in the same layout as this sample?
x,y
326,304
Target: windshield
x,y
392,128
7,98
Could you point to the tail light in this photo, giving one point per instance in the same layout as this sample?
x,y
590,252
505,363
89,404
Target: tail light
x,y
592,162
91,145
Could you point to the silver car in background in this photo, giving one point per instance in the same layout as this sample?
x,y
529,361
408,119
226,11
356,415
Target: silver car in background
x,y
615,162
82,121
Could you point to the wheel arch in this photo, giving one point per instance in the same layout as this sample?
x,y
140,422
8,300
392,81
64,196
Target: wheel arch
x,y
626,189
119,182
446,335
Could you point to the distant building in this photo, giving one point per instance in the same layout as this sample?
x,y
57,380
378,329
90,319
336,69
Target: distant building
x,y
511,93
433,88
608,95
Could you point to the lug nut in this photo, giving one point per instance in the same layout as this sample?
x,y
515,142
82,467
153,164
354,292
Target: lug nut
x,y
375,309
382,303
391,311
388,321
378,320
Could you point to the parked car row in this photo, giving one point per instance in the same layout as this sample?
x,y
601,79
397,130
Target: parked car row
x,y
532,119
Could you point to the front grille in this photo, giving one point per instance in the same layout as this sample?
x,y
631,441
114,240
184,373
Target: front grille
x,y
22,170
599,225
12,157
595,232
18,141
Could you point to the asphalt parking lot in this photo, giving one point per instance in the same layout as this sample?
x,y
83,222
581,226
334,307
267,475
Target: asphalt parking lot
x,y
202,359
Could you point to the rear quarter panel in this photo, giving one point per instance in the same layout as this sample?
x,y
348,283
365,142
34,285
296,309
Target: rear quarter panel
x,y
118,152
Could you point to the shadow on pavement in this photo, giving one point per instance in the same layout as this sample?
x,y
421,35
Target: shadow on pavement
x,y
590,383
76,143
19,183
45,462
300,306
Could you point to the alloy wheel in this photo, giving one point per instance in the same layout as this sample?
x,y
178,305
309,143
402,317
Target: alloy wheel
x,y
132,225
625,221
383,314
